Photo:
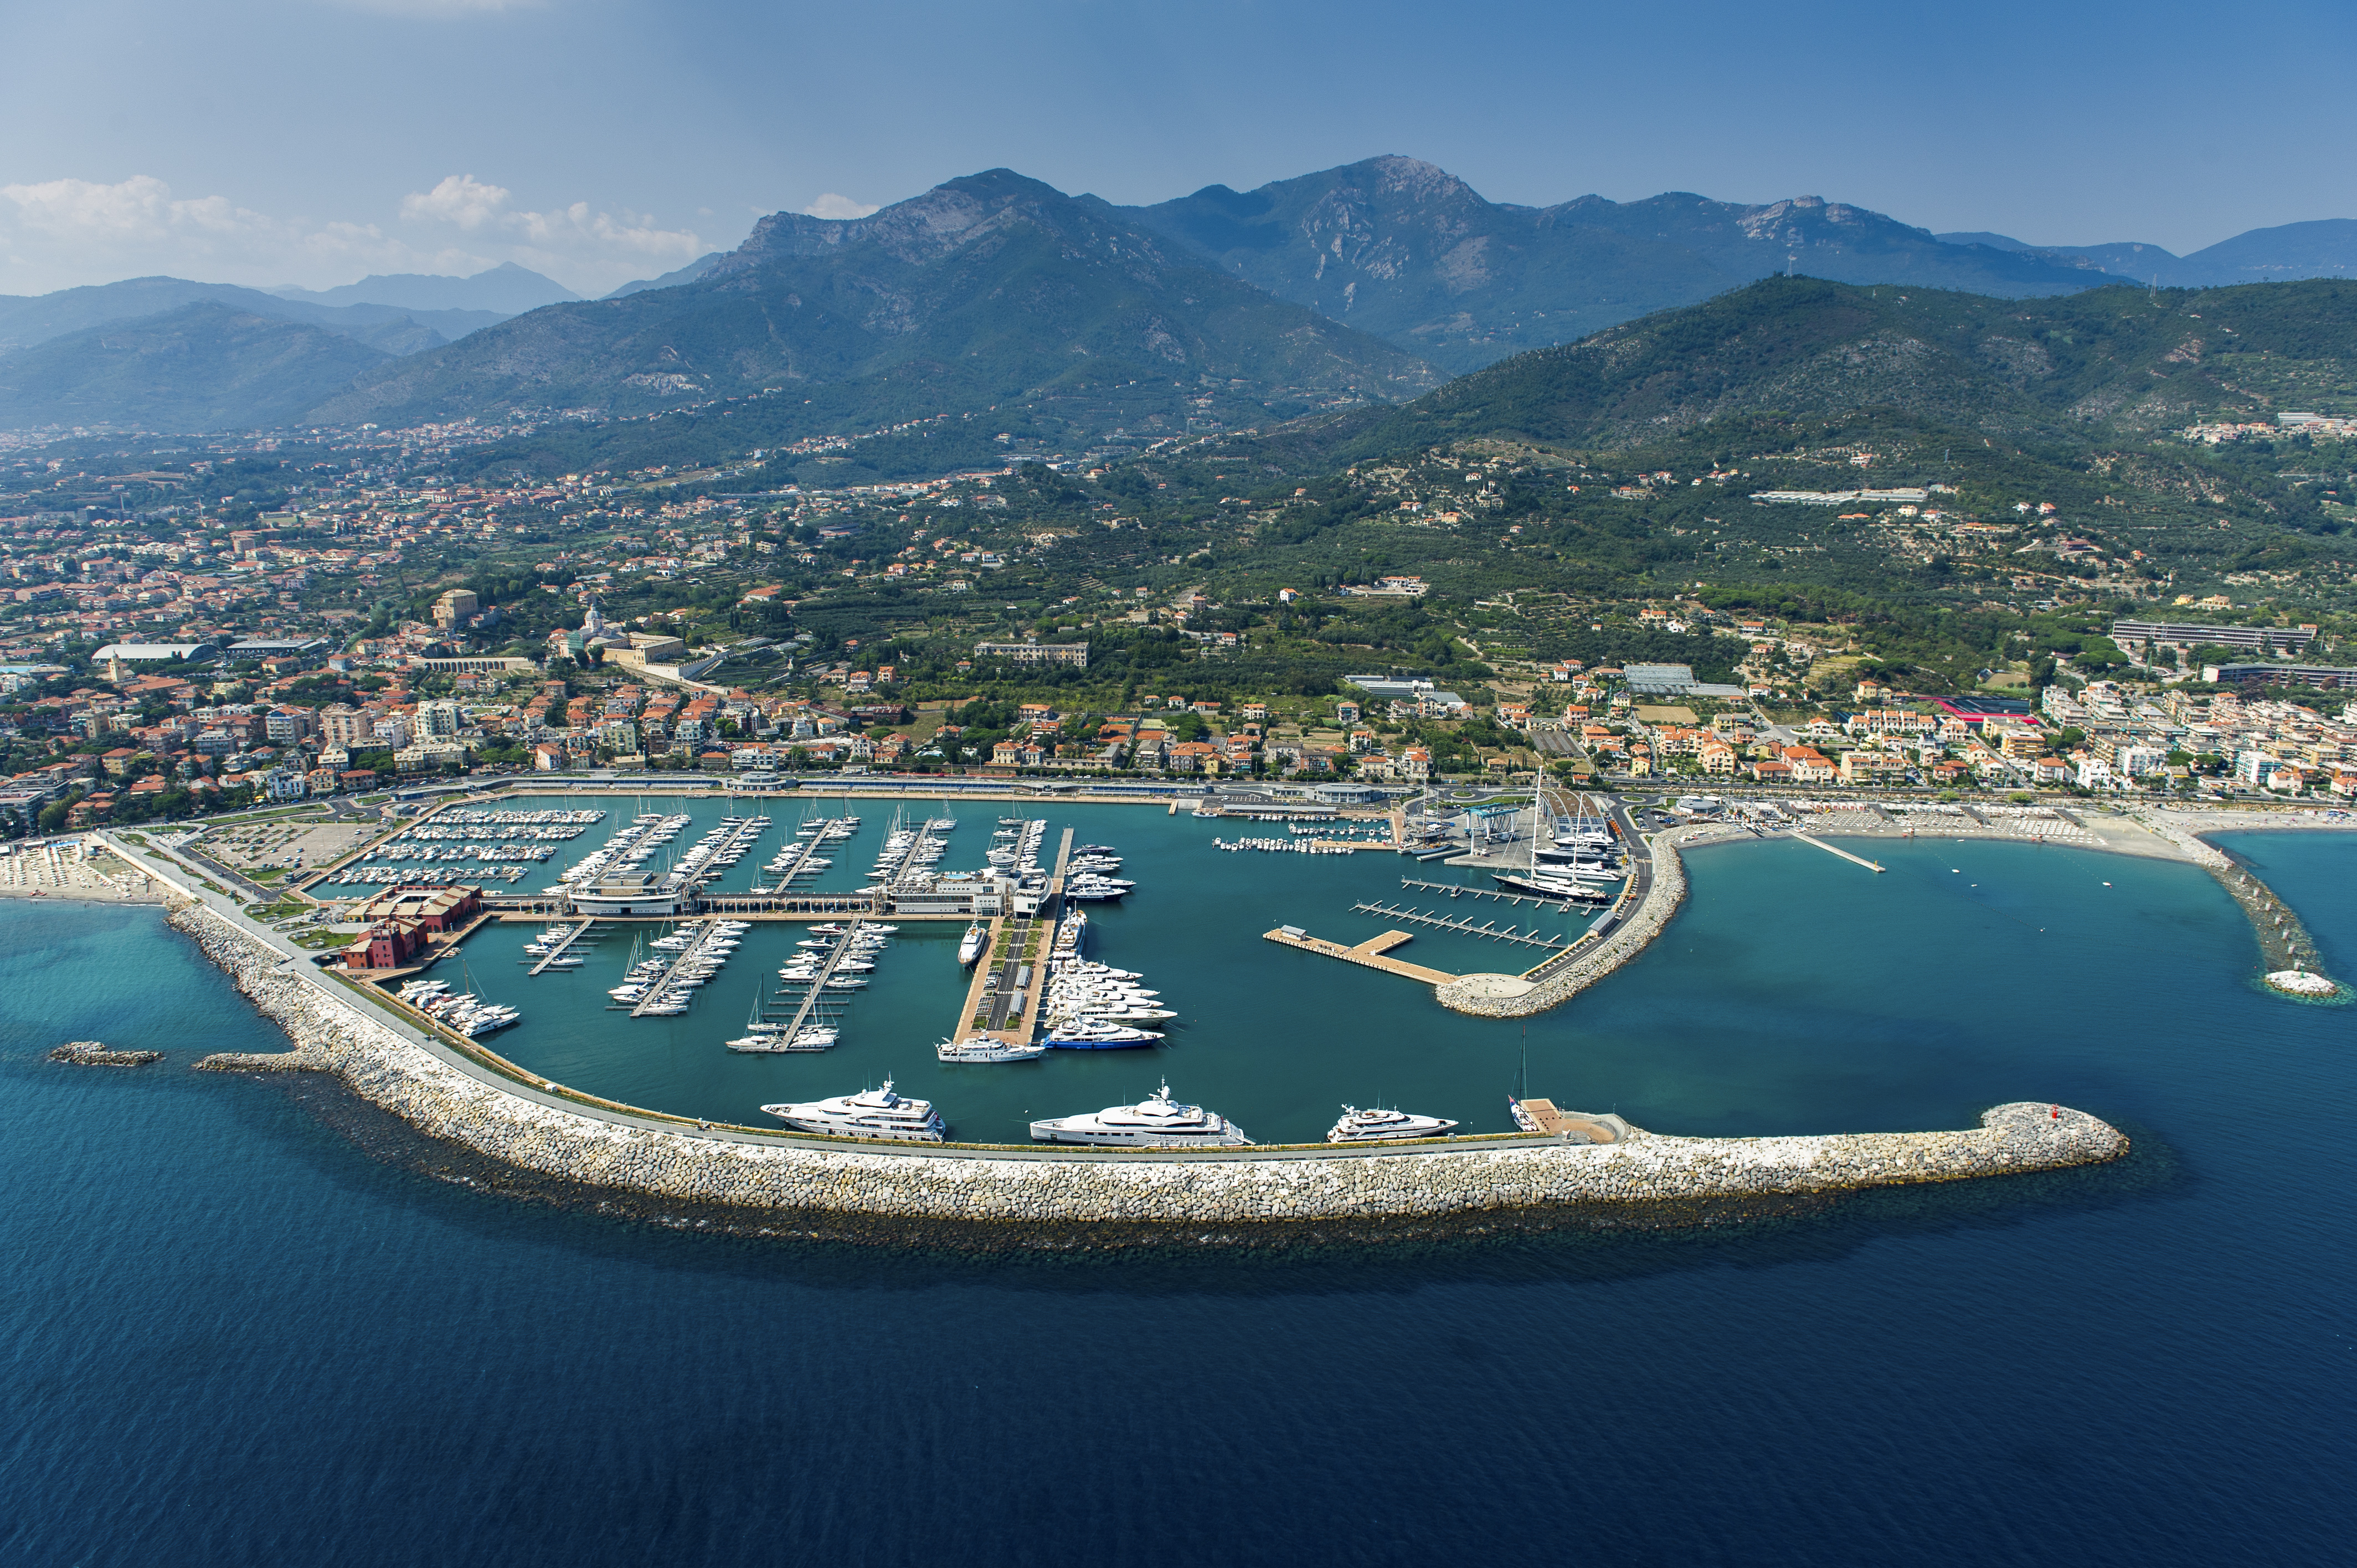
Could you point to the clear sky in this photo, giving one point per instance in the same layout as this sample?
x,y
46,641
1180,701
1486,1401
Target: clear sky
x,y
313,140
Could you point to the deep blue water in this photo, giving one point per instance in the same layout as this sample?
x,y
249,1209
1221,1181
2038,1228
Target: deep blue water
x,y
245,1326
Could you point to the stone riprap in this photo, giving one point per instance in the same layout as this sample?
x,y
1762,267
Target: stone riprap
x,y
92,1053
1483,997
725,1167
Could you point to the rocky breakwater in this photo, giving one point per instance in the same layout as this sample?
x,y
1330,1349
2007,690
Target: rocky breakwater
x,y
2285,946
91,1053
1561,978
515,1123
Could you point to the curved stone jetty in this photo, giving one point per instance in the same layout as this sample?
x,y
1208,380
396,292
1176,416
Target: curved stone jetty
x,y
1519,997
615,1148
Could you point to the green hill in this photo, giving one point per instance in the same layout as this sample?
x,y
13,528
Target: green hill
x,y
2101,364
202,366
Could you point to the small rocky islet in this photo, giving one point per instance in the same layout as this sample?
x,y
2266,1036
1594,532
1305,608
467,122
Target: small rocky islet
x,y
94,1053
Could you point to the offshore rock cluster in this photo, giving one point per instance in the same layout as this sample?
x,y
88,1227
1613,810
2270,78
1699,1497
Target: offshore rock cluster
x,y
717,1167
91,1053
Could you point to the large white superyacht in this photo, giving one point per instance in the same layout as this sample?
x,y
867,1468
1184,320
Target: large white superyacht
x,y
872,1113
1155,1122
1376,1126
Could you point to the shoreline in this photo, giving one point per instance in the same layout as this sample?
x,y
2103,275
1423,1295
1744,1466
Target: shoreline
x,y
2153,834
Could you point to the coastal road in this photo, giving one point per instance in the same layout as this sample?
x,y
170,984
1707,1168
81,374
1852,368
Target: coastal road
x,y
251,888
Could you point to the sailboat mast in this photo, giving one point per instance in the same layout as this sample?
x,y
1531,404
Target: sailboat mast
x,y
1538,810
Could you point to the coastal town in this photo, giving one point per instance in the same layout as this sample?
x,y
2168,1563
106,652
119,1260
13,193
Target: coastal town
x,y
191,630
170,729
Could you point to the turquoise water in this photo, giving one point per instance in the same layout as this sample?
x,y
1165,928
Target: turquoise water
x,y
247,1322
1844,1013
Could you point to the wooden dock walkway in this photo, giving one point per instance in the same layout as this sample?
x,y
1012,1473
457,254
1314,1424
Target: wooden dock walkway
x,y
1571,1125
1372,952
1464,926
575,935
815,998
806,851
659,991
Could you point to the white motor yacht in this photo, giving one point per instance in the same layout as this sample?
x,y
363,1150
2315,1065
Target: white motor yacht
x,y
1156,1122
983,1048
1135,1016
978,936
1359,1126
873,1113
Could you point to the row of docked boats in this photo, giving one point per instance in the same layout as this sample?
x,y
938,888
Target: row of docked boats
x,y
799,859
1280,846
455,827
580,821
558,947
632,845
1088,876
664,984
909,854
408,873
1157,1121
826,968
462,1012
427,852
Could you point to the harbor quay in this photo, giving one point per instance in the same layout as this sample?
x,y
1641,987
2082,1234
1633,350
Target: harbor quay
x,y
536,1126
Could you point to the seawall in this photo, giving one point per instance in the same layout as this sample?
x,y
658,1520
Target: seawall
x,y
464,1105
1552,985
2284,942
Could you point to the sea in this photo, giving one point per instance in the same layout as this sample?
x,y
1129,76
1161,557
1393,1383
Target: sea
x,y
251,1320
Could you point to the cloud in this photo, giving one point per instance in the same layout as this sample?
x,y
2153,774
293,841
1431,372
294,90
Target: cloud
x,y
577,231
138,208
460,198
834,206
60,232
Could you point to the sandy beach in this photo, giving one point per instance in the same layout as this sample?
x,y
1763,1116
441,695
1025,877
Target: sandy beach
x,y
67,868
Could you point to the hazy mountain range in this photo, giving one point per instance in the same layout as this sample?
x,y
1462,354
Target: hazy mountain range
x,y
2326,248
505,290
1369,282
